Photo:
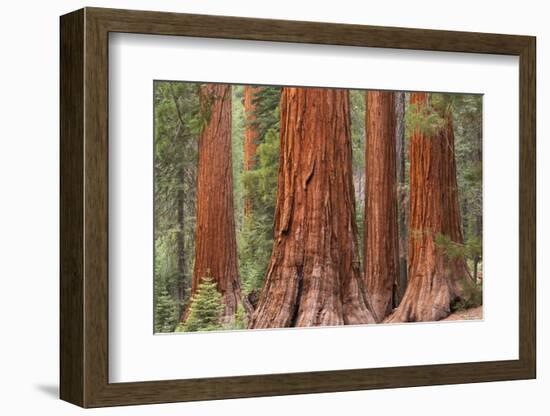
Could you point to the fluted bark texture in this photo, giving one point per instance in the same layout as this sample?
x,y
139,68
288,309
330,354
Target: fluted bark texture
x,y
215,241
381,240
314,275
434,276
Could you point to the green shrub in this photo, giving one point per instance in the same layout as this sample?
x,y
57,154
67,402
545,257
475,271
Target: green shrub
x,y
206,309
472,296
471,249
424,118
240,320
165,312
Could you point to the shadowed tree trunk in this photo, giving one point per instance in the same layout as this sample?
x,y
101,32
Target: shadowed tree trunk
x,y
180,140
215,241
251,137
478,225
314,276
381,241
180,241
402,199
434,276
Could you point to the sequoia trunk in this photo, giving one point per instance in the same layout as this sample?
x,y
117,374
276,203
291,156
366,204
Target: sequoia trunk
x,y
381,241
434,276
251,137
314,277
215,241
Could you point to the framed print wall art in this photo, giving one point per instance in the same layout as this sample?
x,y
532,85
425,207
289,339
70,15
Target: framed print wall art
x,y
261,207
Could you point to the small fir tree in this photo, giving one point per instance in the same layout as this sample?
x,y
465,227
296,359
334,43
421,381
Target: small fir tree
x,y
165,312
206,309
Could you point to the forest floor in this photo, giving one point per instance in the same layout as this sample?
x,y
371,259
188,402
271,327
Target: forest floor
x,y
466,315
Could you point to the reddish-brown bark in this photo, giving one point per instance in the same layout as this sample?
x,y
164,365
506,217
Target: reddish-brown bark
x,y
381,243
434,277
215,241
251,136
314,277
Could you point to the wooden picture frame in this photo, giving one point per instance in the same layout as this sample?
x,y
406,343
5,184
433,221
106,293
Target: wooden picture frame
x,y
84,207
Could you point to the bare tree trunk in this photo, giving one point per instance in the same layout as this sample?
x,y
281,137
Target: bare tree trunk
x,y
478,230
434,276
381,241
251,137
401,194
215,241
314,275
180,241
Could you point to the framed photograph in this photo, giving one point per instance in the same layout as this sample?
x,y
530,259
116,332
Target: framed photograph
x,y
255,207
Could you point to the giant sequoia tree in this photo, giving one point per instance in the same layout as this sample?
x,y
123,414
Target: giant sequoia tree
x,y
215,242
434,274
381,243
314,277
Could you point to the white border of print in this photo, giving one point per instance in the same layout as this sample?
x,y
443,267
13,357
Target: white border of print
x,y
135,354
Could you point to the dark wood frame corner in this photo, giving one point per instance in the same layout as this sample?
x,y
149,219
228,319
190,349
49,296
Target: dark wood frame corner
x,y
84,207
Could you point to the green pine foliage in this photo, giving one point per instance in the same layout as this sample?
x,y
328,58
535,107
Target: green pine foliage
x,y
165,311
267,110
240,320
423,117
256,236
259,185
470,249
238,123
358,138
206,309
471,296
467,112
166,307
176,133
